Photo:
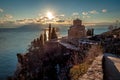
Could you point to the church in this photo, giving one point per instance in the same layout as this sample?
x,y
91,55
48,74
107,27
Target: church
x,y
77,30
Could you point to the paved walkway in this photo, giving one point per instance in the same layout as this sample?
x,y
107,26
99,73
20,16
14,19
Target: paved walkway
x,y
95,71
111,65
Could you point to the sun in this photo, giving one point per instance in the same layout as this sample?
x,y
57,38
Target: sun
x,y
50,15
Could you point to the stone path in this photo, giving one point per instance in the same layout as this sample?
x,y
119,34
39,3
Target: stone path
x,y
95,71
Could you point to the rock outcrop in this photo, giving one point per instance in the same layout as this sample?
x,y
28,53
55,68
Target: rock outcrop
x,y
52,60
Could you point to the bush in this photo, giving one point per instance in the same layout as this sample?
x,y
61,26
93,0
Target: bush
x,y
78,70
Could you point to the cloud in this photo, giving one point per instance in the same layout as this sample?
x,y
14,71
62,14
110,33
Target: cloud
x,y
86,16
16,23
5,18
27,21
8,16
104,10
62,15
40,14
93,12
84,13
59,16
1,10
75,14
10,24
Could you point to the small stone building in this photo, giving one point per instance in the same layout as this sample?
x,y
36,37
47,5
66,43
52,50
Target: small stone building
x,y
77,30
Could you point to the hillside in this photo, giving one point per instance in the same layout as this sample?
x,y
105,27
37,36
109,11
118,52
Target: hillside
x,y
113,32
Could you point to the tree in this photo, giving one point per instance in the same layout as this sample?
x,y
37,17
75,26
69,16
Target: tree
x,y
45,37
41,40
54,34
90,32
49,35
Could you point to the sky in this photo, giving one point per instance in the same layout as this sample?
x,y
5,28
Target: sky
x,y
90,11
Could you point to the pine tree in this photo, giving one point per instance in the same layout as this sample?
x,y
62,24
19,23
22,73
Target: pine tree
x,y
45,36
38,42
90,32
34,43
32,46
54,34
41,40
49,34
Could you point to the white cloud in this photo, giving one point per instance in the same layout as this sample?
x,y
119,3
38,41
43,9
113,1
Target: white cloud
x,y
62,15
84,13
10,24
8,16
75,14
39,14
93,12
1,10
104,10
17,23
86,16
26,21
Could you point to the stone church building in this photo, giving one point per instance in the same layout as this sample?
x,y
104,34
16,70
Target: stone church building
x,y
77,30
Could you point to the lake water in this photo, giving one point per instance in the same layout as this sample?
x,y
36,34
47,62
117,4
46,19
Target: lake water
x,y
13,42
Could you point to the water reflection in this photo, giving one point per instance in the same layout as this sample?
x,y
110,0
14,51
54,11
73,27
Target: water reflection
x,y
46,31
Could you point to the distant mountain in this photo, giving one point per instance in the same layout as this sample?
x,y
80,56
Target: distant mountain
x,y
27,27
112,32
30,27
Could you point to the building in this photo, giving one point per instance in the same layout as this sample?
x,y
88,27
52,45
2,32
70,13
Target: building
x,y
77,30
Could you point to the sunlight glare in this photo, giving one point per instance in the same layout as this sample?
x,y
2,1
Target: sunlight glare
x,y
50,15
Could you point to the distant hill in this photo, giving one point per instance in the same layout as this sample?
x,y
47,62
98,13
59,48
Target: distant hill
x,y
27,27
112,32
31,27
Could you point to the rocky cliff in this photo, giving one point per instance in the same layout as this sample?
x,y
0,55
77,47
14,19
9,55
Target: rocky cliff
x,y
53,59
